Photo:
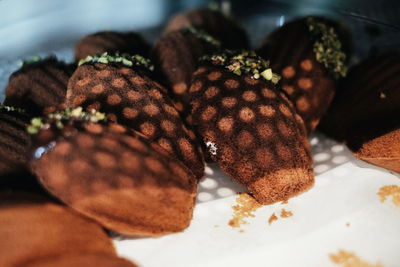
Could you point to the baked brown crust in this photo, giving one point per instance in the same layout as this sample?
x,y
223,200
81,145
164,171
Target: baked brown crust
x,y
118,178
33,227
382,151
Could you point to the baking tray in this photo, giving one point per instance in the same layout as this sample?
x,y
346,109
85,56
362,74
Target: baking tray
x,y
341,216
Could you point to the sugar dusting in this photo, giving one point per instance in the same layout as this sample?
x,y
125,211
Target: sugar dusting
x,y
245,208
348,259
390,191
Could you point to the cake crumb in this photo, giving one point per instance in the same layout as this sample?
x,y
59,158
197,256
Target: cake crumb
x,y
286,213
390,190
348,259
285,202
348,224
272,218
245,208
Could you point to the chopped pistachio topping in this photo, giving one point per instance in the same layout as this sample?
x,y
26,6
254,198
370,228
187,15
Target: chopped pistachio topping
x,y
125,59
32,59
213,5
327,47
59,118
223,7
203,35
244,62
10,108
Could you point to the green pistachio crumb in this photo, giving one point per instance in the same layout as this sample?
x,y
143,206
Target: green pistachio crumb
x,y
125,59
327,47
267,74
10,108
59,119
32,129
203,35
244,62
32,59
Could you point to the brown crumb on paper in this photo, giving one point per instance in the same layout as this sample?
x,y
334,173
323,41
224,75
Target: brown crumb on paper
x,y
272,218
285,202
348,224
348,259
244,208
286,213
390,190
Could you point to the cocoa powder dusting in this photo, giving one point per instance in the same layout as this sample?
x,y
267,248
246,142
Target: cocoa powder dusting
x,y
390,191
245,208
348,259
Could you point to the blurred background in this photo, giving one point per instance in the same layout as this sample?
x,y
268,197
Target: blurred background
x,y
33,26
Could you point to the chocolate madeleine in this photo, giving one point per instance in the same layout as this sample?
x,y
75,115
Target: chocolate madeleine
x,y
14,147
176,56
33,228
14,140
111,42
364,113
251,128
309,69
39,83
118,87
112,175
368,95
221,27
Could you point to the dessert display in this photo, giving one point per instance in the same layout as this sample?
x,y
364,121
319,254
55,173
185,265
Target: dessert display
x,y
111,174
364,113
309,71
118,86
111,42
250,127
38,84
115,143
25,242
